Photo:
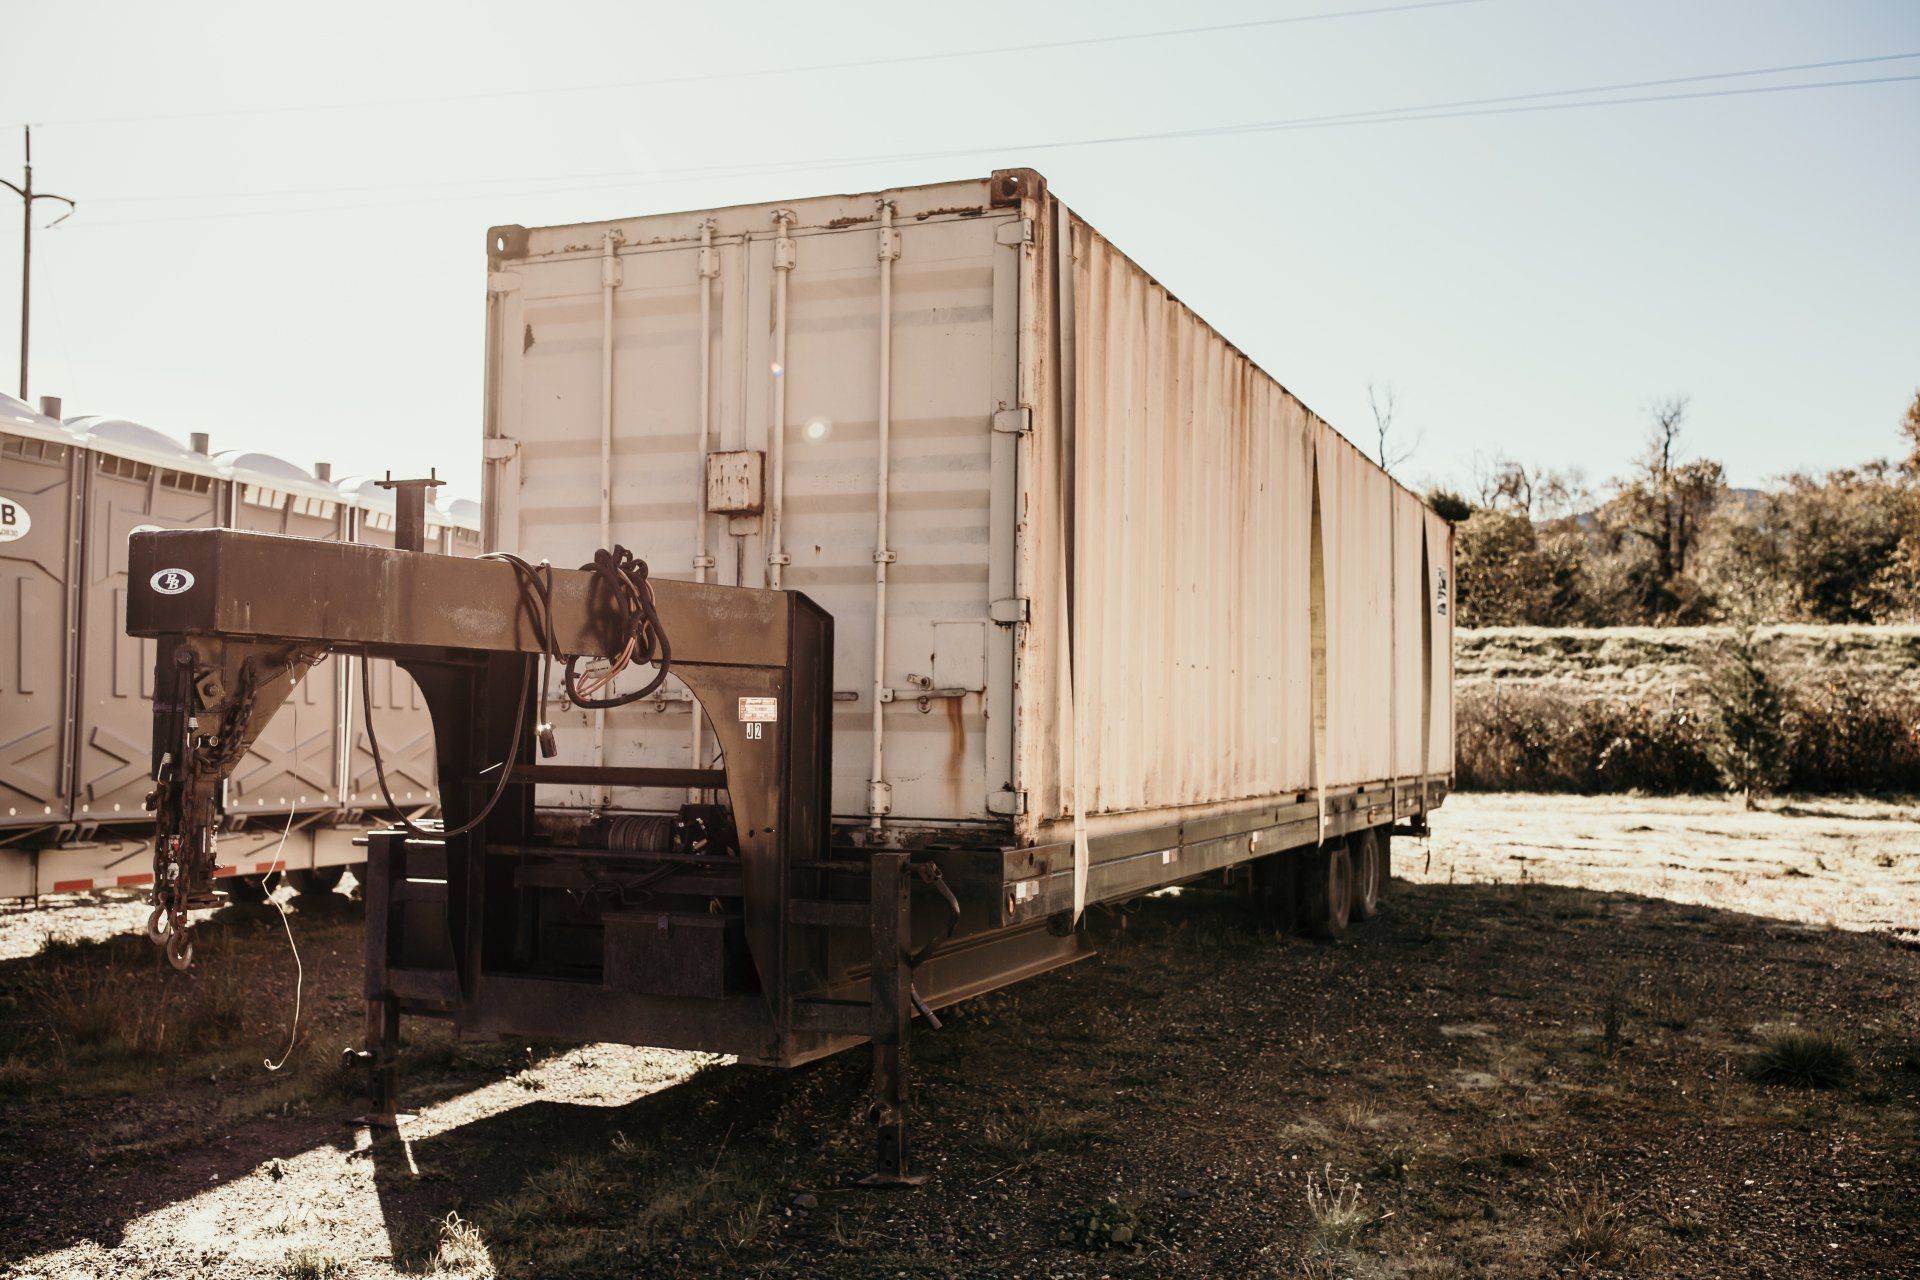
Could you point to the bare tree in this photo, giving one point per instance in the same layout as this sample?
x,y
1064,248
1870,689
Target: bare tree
x,y
1388,453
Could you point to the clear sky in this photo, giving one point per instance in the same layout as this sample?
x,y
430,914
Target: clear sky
x,y
1527,281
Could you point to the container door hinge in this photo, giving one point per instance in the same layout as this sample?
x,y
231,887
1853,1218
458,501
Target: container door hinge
x,y
503,281
1009,804
1016,422
1014,231
499,448
1010,610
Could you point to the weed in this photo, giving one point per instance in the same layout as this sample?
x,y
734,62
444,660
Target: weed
x,y
1334,1204
1807,1059
1597,1228
311,1264
463,1251
1613,1019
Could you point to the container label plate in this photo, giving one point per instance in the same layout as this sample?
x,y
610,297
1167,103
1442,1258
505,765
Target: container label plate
x,y
14,520
763,710
171,582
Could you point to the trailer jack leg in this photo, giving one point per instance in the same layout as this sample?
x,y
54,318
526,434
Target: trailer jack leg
x,y
890,996
381,1061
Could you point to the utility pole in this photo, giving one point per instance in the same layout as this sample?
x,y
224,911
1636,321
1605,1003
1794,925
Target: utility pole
x,y
27,196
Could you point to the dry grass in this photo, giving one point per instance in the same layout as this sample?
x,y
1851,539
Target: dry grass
x,y
1623,709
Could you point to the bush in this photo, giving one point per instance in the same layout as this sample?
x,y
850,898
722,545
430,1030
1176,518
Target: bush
x,y
1808,1059
1749,742
1839,736
1546,740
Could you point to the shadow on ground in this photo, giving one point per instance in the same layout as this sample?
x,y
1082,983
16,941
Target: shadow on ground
x,y
1492,1079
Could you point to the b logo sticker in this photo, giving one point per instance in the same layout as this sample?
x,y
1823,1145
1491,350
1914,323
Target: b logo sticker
x,y
14,520
171,582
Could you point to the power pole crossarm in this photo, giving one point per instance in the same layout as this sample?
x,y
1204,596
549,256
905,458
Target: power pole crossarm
x,y
27,196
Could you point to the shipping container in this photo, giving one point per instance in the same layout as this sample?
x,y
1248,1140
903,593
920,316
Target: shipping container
x,y
1093,572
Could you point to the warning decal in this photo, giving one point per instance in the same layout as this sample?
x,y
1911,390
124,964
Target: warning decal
x,y
759,709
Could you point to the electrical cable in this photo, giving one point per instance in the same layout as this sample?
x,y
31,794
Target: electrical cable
x,y
493,186
299,967
506,766
757,73
1388,115
623,579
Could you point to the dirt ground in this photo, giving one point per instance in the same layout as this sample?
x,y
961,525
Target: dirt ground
x,y
1543,1058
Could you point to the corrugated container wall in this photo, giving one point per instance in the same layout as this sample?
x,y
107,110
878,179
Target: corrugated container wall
x,y
1128,576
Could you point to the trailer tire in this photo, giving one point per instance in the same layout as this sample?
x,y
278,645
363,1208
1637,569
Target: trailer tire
x,y
316,881
1326,890
1364,846
246,889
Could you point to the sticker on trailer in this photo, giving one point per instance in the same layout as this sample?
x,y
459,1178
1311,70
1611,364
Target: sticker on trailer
x,y
171,582
762,710
15,520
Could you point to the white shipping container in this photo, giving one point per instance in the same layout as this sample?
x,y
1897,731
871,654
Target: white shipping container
x,y
1120,577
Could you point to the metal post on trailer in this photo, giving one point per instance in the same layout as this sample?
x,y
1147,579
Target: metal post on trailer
x,y
380,1058
890,1005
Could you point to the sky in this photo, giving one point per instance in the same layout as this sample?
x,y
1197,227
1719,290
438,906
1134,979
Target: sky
x,y
281,209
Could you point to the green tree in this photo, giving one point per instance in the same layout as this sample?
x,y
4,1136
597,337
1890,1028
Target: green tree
x,y
1656,518
1749,742
1500,579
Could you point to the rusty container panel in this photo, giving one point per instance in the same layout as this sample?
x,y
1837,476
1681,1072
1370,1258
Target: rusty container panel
x,y
1413,618
296,761
39,480
1228,597
136,478
1189,575
400,713
1356,513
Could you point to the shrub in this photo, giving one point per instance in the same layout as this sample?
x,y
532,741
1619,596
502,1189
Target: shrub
x,y
1836,736
1749,741
1807,1059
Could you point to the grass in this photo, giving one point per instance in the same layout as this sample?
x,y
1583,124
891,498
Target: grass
x,y
463,1251
1333,1202
1598,1231
312,1264
1805,1059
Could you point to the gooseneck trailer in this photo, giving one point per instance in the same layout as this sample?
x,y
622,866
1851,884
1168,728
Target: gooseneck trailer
x,y
983,582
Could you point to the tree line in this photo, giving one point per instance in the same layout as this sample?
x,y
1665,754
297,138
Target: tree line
x,y
1671,543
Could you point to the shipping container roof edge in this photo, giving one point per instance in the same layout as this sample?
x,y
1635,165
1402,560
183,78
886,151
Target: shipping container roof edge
x,y
1004,188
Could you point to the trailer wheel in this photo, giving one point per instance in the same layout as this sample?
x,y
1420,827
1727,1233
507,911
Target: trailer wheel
x,y
1365,847
1326,890
315,881
246,888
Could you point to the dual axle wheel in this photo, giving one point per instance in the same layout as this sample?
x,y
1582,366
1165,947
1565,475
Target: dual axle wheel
x,y
1321,891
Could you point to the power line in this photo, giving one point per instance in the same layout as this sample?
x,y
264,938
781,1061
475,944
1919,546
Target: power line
x,y
855,64
1346,120
493,185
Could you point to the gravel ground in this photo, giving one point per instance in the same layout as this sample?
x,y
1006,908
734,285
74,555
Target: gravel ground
x,y
1539,1060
